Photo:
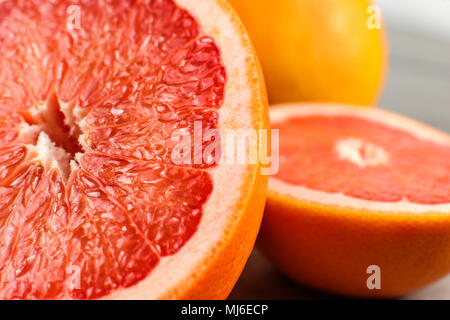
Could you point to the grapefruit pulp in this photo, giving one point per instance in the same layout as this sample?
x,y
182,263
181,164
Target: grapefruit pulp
x,y
92,204
358,189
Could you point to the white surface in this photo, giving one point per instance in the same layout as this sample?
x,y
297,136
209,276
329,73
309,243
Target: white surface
x,y
419,75
430,17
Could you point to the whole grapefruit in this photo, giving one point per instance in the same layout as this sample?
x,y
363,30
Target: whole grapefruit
x,y
318,50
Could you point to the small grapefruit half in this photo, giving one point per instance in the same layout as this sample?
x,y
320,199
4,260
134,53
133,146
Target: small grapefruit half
x,y
361,203
92,204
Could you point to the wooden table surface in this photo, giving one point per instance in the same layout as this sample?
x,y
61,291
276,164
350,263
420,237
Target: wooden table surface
x,y
418,86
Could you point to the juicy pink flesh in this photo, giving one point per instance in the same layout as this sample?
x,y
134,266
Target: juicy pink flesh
x,y
409,168
135,71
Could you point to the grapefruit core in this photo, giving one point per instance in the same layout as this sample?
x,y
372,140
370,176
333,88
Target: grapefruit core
x,y
358,188
91,205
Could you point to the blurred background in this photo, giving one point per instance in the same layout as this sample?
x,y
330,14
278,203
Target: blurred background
x,y
418,86
418,83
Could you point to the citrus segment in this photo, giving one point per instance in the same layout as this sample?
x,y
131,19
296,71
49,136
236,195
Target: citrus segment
x,y
106,250
154,196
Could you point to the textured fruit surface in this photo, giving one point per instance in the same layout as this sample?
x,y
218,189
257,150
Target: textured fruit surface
x,y
317,50
358,187
97,211
363,159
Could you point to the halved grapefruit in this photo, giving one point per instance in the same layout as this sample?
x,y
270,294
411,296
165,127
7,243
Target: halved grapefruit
x,y
361,203
91,203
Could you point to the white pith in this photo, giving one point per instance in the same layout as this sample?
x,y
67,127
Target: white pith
x,y
44,149
51,156
362,153
306,195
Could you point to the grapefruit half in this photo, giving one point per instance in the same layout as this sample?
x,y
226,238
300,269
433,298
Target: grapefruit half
x,y
361,203
92,204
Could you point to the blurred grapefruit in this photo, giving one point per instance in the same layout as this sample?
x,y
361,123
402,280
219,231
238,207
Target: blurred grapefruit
x,y
361,204
318,50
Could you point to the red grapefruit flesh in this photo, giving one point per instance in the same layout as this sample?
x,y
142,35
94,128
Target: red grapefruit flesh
x,y
366,160
91,203
358,188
